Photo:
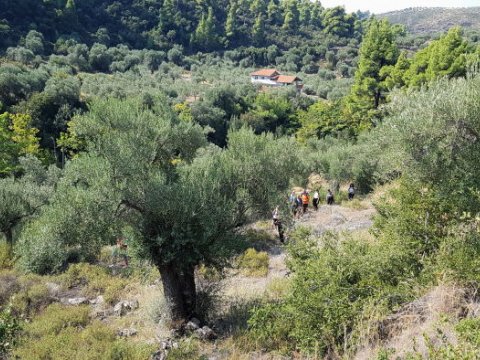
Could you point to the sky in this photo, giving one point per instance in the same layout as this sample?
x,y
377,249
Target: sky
x,y
381,6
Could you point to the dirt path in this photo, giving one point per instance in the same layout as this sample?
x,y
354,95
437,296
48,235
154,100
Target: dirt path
x,y
335,218
339,218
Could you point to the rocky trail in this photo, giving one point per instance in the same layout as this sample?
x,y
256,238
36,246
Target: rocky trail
x,y
336,218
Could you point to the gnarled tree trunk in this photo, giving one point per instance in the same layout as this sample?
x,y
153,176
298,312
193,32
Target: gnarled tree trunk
x,y
179,289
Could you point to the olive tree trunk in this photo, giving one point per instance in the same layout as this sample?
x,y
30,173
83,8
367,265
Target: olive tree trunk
x,y
179,289
9,238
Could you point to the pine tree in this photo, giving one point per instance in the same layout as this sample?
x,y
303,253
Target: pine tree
x,y
258,6
305,12
205,37
273,12
231,25
394,75
378,50
316,15
291,19
258,32
70,13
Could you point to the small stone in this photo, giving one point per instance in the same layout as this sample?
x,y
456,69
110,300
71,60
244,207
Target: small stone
x,y
127,332
102,314
53,288
192,326
175,333
77,301
133,304
165,344
122,307
159,355
205,333
99,300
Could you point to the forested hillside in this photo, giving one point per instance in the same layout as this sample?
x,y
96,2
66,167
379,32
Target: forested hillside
x,y
196,25
140,169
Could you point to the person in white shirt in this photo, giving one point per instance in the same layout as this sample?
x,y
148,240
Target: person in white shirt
x,y
316,199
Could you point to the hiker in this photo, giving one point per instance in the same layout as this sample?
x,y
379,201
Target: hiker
x,y
330,197
351,191
281,232
275,217
299,205
293,204
121,250
278,225
316,200
305,200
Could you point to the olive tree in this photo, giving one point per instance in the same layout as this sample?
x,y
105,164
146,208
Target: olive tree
x,y
185,198
22,198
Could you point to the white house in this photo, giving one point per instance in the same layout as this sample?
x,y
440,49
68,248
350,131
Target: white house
x,y
272,77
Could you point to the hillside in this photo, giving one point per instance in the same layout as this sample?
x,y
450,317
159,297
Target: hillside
x,y
435,20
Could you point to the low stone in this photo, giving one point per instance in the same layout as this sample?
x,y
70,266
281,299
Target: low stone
x,y
122,307
176,333
77,301
102,314
205,333
165,344
99,300
159,355
127,332
192,326
133,304
53,288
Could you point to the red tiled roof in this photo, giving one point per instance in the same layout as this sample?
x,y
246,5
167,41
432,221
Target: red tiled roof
x,y
265,72
287,79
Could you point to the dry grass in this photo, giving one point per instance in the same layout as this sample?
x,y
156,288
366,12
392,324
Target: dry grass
x,y
429,317
357,204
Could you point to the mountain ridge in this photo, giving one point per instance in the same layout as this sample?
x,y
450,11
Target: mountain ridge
x,y
421,20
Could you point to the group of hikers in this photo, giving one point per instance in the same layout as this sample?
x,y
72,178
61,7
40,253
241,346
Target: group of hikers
x,y
299,205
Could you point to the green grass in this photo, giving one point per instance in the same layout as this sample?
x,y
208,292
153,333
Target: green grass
x,y
253,263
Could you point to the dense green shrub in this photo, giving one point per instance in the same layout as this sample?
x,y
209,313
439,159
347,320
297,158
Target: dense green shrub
x,y
66,332
333,285
9,328
253,263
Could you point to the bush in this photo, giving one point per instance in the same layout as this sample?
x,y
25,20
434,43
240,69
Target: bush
x,y
9,328
33,298
253,263
335,281
96,281
9,285
66,333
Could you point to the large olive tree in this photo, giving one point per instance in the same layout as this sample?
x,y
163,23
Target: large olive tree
x,y
186,198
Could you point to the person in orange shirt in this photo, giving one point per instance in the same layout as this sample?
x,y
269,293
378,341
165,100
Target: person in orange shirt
x,y
305,200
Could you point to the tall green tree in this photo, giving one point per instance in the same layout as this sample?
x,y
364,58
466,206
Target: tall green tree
x,y
273,13
258,31
446,56
377,50
205,37
292,16
231,23
337,22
